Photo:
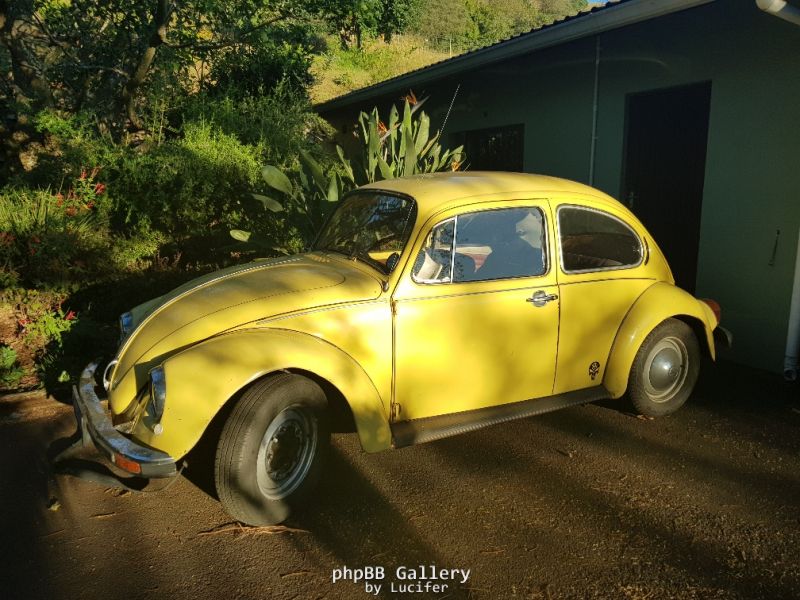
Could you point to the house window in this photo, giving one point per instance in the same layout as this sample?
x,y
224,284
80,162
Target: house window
x,y
493,149
592,240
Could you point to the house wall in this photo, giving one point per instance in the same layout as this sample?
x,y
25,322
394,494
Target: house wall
x,y
752,183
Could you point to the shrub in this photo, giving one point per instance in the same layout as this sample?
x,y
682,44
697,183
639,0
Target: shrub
x,y
186,186
255,70
51,239
281,123
10,371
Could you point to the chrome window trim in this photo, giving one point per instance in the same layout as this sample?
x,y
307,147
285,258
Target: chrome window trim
x,y
452,254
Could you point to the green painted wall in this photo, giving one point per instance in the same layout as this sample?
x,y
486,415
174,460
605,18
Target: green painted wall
x,y
752,185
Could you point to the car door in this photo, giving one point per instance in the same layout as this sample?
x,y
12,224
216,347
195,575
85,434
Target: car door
x,y
476,313
601,274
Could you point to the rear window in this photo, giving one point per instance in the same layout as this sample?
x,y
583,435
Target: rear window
x,y
592,240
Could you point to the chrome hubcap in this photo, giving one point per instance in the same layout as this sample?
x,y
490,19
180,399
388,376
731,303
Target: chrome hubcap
x,y
666,369
286,452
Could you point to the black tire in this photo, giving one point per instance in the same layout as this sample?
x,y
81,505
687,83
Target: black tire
x,y
272,449
664,370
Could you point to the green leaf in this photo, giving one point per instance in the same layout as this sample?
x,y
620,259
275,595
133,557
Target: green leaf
x,y
276,179
435,159
410,166
386,171
269,203
373,149
333,189
238,234
348,167
253,238
423,132
316,170
394,116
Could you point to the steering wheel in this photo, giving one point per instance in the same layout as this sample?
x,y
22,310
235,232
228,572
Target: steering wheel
x,y
377,243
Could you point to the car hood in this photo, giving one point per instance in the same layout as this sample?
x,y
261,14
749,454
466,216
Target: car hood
x,y
228,299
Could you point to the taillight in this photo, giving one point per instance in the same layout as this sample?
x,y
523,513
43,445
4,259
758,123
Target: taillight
x,y
715,308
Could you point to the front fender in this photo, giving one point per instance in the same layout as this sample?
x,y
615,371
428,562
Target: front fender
x,y
201,379
659,302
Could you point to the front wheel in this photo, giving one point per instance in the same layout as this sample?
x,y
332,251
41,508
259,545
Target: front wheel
x,y
272,448
665,369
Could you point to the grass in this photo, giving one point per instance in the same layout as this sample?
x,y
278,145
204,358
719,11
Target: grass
x,y
338,71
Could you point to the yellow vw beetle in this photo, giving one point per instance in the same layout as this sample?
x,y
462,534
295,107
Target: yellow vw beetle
x,y
428,306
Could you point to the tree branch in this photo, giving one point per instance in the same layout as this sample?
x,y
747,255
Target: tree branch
x,y
158,37
114,70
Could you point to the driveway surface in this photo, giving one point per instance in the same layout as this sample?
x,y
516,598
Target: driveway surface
x,y
589,502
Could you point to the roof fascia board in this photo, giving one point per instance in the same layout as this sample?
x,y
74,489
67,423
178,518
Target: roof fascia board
x,y
611,17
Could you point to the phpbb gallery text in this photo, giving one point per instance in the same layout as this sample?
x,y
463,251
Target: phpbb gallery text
x,y
402,580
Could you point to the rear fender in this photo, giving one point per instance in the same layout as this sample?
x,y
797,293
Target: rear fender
x,y
203,378
659,302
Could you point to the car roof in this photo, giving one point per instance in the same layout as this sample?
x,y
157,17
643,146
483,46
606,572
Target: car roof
x,y
438,191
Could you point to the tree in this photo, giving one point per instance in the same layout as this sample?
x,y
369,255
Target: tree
x,y
104,54
352,19
468,24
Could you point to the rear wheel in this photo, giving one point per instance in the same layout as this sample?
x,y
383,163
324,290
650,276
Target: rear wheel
x,y
665,369
272,449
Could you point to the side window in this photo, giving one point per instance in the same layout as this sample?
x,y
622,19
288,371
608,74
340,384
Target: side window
x,y
593,241
493,244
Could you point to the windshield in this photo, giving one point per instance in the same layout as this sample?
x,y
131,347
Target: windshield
x,y
370,226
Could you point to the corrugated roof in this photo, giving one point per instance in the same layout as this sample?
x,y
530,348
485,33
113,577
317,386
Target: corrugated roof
x,y
514,45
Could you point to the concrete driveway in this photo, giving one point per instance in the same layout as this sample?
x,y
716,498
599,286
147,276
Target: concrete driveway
x,y
589,502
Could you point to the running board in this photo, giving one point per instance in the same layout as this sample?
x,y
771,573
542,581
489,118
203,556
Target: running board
x,y
418,431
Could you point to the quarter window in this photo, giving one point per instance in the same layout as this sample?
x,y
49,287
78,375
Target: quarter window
x,y
482,246
592,240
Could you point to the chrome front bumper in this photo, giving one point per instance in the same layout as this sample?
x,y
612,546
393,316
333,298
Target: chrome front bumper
x,y
94,423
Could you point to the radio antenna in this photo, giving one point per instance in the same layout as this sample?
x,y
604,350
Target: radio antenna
x,y
449,109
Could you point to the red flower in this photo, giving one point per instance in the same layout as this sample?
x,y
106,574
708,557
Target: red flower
x,y
99,188
71,211
90,205
70,315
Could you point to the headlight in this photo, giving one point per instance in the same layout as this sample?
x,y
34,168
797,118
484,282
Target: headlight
x,y
158,396
125,325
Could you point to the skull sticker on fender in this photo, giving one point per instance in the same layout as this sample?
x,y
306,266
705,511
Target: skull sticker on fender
x,y
594,369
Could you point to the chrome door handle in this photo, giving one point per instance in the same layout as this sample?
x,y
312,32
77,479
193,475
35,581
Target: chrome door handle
x,y
539,298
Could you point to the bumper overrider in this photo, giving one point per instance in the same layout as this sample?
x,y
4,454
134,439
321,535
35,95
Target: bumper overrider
x,y
94,424
722,337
